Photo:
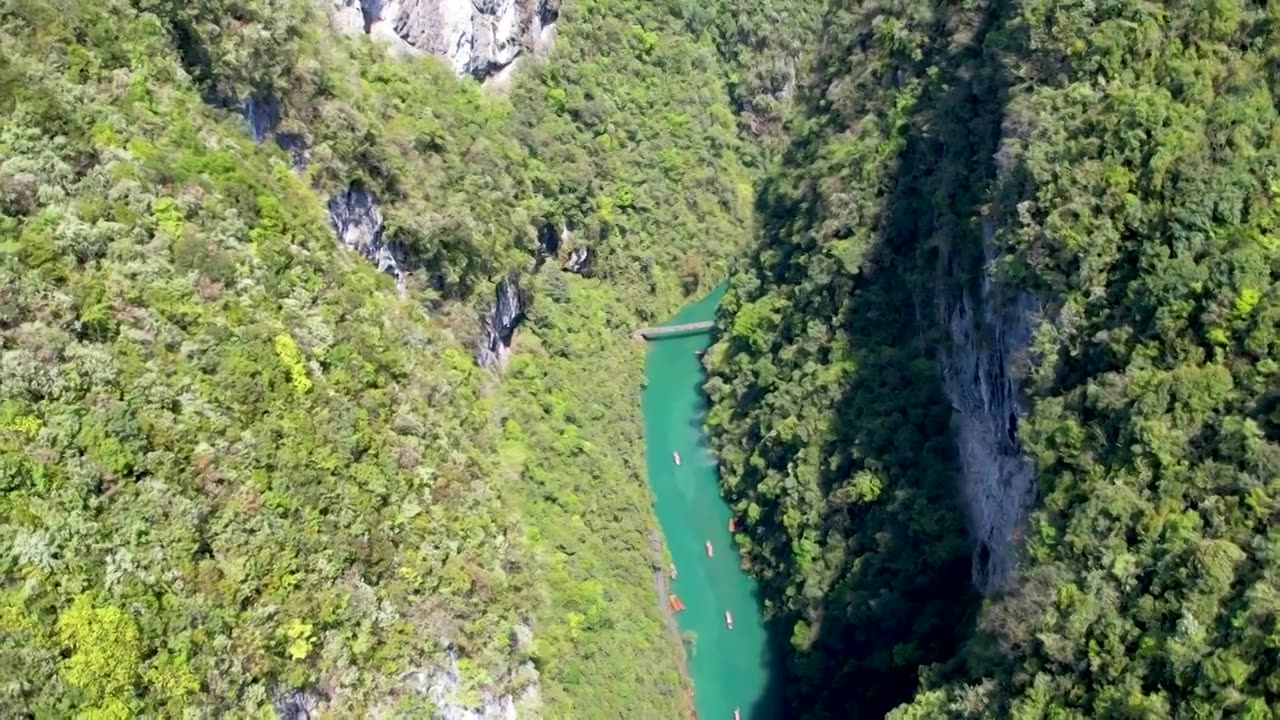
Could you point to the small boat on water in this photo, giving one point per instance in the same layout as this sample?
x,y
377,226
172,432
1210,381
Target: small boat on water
x,y
710,551
674,603
673,571
733,525
728,619
736,715
675,456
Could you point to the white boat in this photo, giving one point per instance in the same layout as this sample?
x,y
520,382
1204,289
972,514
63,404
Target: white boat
x,y
675,456
728,619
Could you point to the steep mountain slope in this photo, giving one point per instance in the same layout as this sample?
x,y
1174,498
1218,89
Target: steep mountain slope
x,y
247,455
1018,257
235,461
767,46
634,147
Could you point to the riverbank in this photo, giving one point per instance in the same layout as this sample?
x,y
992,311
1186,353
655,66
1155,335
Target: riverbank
x,y
732,668
662,588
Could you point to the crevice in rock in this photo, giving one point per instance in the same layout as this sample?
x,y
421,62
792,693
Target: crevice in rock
x,y
356,218
498,325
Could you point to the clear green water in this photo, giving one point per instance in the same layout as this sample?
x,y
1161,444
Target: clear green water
x,y
730,668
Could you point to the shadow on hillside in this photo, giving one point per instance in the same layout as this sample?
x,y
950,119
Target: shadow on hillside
x,y
901,599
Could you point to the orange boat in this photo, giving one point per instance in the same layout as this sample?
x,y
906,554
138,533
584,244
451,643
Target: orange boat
x,y
674,603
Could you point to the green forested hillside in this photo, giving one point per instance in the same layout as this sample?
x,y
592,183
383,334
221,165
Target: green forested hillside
x,y
235,461
1126,156
827,409
239,464
633,143
767,46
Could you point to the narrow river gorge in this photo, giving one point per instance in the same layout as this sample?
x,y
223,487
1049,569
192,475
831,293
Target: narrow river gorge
x,y
731,668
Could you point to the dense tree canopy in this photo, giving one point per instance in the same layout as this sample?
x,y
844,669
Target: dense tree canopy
x,y
234,460
1126,156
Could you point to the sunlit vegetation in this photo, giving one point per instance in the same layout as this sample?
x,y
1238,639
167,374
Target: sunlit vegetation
x,y
234,460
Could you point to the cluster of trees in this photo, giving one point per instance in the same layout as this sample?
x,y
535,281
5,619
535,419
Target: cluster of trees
x,y
827,412
1127,156
234,461
767,47
633,142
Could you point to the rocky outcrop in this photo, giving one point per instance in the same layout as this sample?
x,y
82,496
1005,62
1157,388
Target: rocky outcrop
x,y
548,244
347,17
580,260
357,221
296,705
444,687
476,37
498,326
296,145
263,114
988,334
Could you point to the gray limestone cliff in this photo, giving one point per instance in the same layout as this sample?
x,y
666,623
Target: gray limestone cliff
x,y
988,335
481,38
451,696
580,260
498,326
515,693
262,113
295,704
356,219
549,241
445,687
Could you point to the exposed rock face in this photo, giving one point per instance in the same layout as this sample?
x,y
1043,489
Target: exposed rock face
x,y
548,240
347,17
357,221
296,146
296,705
476,37
548,245
580,260
499,324
978,378
543,28
263,114
443,687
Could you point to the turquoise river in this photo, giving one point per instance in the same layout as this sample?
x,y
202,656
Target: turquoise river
x,y
730,668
